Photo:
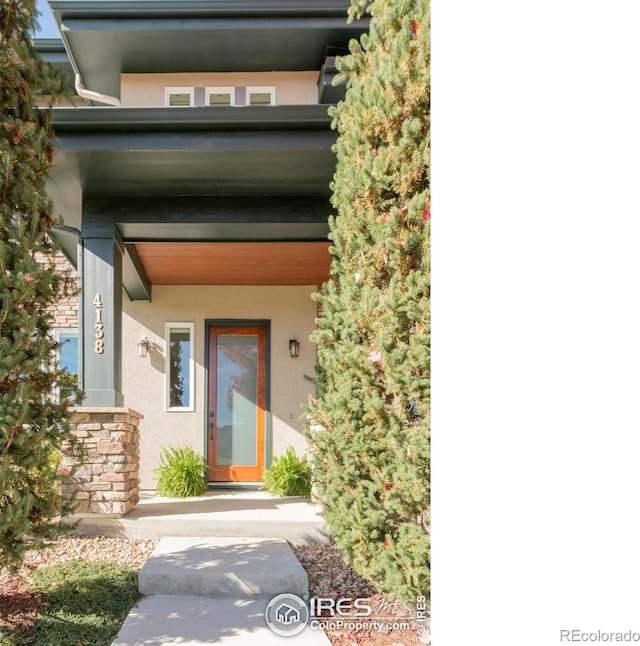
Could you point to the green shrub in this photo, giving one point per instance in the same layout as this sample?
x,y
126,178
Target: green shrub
x,y
181,473
288,475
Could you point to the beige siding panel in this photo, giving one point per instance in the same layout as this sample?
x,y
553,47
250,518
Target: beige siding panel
x,y
292,88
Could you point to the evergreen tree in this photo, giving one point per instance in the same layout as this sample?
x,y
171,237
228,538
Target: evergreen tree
x,y
34,392
370,423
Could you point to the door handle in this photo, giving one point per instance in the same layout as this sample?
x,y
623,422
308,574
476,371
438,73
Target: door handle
x,y
212,428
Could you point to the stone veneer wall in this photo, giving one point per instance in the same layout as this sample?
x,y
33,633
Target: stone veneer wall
x,y
104,475
65,311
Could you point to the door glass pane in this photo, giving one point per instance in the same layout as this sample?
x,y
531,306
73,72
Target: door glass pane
x,y
236,399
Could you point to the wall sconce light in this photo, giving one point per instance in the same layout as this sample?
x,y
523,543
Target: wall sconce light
x,y
143,347
294,348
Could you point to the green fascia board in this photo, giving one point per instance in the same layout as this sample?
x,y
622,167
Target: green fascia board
x,y
201,151
50,46
181,8
194,119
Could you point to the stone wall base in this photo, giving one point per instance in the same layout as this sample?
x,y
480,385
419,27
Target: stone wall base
x,y
102,472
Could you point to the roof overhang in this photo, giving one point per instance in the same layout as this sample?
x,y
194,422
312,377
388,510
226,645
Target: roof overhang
x,y
279,150
211,175
106,38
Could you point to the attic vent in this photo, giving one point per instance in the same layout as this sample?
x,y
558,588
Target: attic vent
x,y
178,96
220,96
261,95
219,99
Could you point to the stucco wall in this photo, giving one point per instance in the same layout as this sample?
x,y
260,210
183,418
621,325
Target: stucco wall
x,y
292,315
292,88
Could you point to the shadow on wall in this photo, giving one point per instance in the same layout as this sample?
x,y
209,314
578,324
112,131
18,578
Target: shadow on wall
x,y
156,356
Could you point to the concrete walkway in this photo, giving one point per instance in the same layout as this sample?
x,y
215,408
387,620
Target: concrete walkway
x,y
212,590
217,513
196,621
220,560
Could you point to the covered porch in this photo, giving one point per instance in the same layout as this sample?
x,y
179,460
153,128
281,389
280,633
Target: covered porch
x,y
172,196
186,226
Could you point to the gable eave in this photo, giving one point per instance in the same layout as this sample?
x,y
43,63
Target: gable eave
x,y
106,39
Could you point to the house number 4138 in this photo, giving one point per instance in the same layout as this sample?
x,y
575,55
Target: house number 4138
x,y
99,325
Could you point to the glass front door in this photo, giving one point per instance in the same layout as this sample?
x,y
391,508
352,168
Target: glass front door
x,y
236,415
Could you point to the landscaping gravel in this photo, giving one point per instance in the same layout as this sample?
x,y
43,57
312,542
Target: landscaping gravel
x,y
329,576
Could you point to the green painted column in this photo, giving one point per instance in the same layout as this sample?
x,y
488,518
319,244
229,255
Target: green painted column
x,y
102,316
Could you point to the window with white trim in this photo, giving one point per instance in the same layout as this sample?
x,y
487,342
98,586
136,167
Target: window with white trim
x,y
217,96
179,367
261,95
179,96
68,350
66,354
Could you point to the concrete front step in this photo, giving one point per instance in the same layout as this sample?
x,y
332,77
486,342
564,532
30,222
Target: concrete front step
x,y
249,514
231,567
303,532
195,621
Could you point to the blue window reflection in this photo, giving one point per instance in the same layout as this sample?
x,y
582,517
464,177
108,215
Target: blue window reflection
x,y
68,352
47,26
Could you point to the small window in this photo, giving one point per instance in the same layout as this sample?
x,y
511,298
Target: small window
x,y
179,96
221,96
261,95
179,366
67,353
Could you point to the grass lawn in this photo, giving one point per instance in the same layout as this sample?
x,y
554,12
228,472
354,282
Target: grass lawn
x,y
83,604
